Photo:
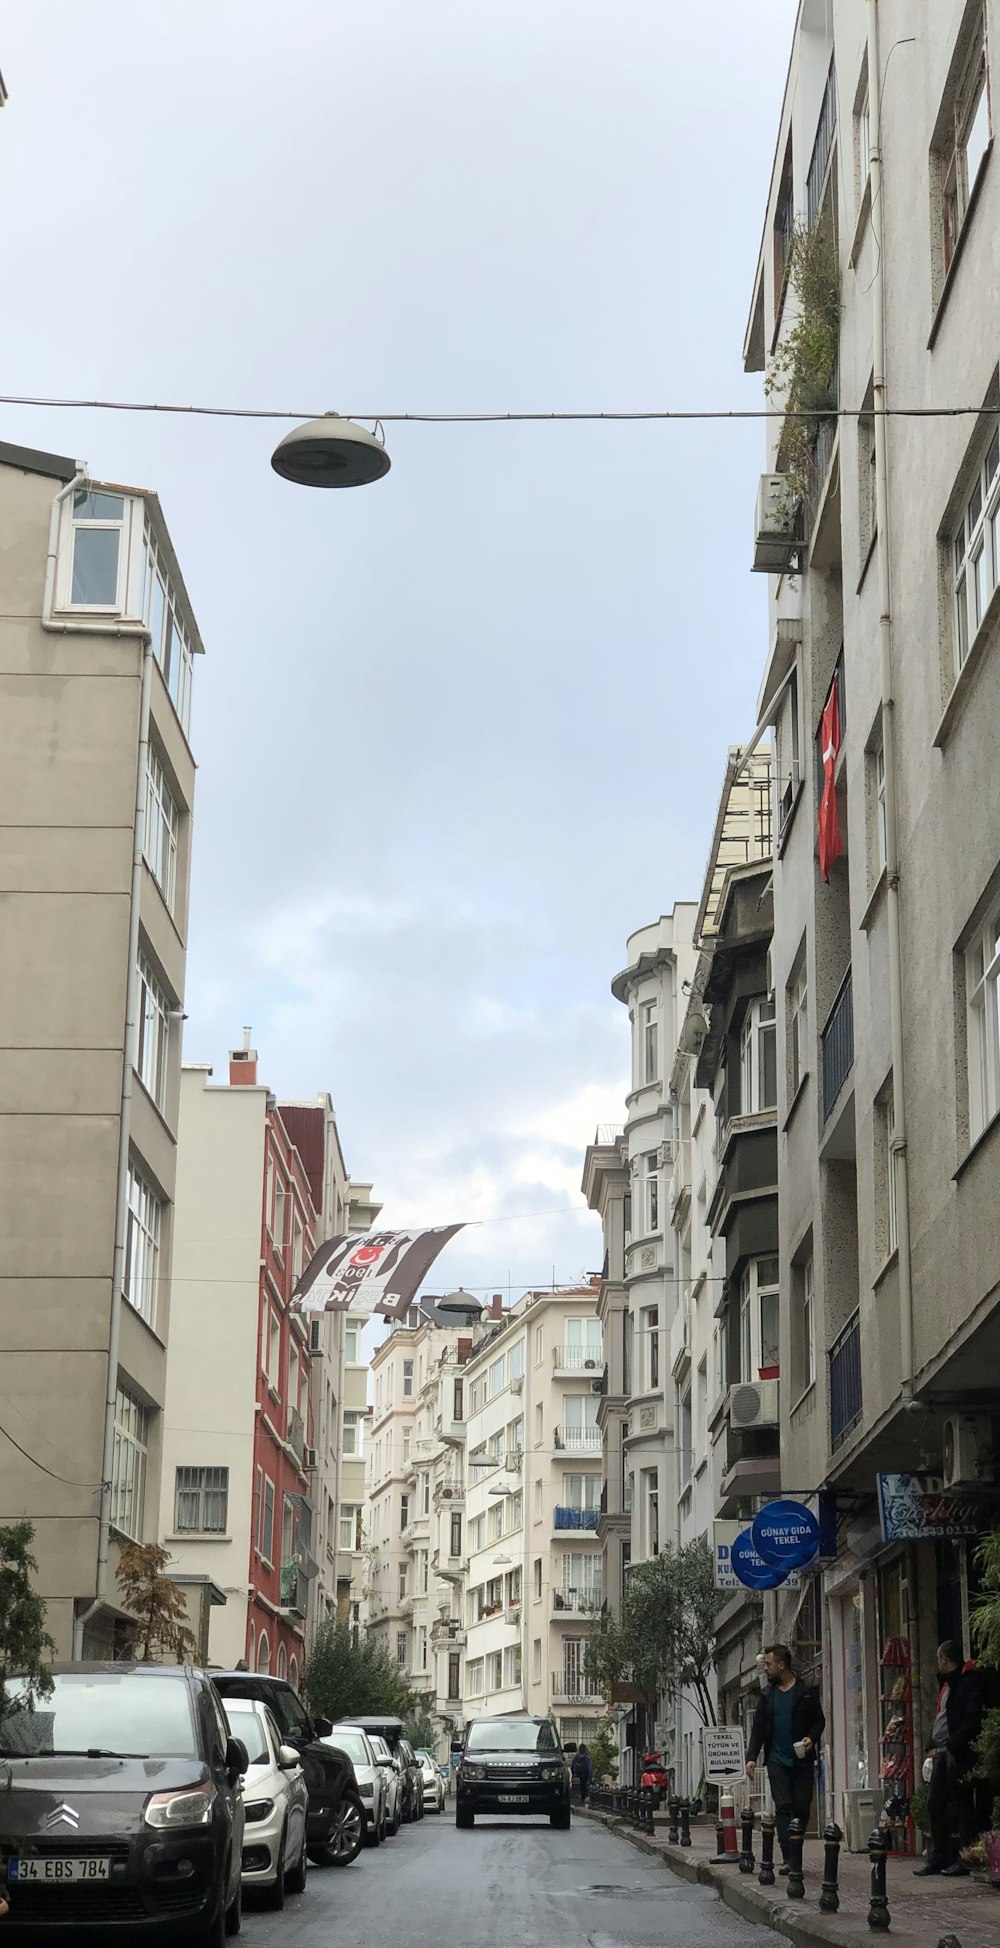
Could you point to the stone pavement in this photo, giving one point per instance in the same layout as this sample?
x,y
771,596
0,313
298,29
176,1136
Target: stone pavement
x,y
921,1910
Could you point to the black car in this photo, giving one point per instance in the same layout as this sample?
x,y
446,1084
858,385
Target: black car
x,y
121,1804
391,1729
512,1765
335,1826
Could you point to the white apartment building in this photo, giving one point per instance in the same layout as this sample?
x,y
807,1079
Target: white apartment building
x,y
534,1582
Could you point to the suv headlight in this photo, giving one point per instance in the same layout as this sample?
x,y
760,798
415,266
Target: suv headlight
x,y
552,1772
192,1806
473,1772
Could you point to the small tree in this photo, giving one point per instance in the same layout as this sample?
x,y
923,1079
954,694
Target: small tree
x,y
420,1731
603,1749
664,1639
344,1677
24,1641
156,1603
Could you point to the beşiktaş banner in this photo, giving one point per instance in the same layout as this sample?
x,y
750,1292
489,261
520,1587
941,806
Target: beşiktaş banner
x,y
370,1271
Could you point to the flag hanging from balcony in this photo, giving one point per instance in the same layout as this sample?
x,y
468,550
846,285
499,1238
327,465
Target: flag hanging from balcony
x,y
370,1271
830,847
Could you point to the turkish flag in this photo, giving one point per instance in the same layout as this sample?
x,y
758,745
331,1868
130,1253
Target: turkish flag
x,y
830,847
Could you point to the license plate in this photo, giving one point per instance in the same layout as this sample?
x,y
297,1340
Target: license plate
x,y
513,1798
55,1870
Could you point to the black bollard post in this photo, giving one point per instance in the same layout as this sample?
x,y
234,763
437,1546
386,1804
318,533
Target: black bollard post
x,y
878,1906
651,1799
720,1833
673,1816
686,1823
767,1827
829,1899
747,1861
796,1885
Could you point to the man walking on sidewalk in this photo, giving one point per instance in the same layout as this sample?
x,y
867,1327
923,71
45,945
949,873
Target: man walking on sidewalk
x,y
787,1728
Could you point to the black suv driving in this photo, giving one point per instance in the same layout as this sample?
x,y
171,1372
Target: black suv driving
x,y
335,1824
121,1804
512,1765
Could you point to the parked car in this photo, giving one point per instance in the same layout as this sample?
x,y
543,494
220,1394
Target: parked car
x,y
391,1729
276,1804
335,1824
122,1806
433,1784
512,1765
393,1772
370,1776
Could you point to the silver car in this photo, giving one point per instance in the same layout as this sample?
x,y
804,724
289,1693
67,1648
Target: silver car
x,y
393,1774
275,1802
371,1777
433,1783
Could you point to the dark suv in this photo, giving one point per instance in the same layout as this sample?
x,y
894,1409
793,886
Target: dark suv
x,y
335,1825
121,1804
512,1765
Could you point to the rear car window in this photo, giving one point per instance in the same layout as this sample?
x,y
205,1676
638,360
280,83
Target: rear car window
x,y
121,1712
353,1743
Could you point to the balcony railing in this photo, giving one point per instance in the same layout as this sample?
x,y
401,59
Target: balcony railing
x,y
845,1381
579,1440
294,1588
572,1687
838,1045
577,1518
578,1359
585,1602
297,1436
608,1134
826,129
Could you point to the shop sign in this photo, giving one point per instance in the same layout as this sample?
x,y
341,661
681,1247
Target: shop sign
x,y
785,1534
750,1569
724,1535
911,1512
724,1753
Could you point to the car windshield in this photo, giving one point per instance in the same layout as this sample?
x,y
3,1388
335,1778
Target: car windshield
x,y
351,1742
510,1735
245,1724
115,1712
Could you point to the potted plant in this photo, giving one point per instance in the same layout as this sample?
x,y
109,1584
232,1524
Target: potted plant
x,y
991,1844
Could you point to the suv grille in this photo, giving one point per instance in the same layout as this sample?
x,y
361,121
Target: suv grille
x,y
513,1771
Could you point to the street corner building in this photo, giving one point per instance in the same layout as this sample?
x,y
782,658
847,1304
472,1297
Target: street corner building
x,y
98,645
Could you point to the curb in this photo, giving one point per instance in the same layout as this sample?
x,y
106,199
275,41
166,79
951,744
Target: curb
x,y
804,1927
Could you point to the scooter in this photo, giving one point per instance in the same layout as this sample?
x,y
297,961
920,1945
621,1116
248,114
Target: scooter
x,y
654,1776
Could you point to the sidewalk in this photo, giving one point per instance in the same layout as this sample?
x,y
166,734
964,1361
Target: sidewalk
x,y
921,1910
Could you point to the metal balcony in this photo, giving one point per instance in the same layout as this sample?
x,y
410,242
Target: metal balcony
x,y
572,1687
826,129
576,1518
837,1041
846,1393
580,1440
571,1361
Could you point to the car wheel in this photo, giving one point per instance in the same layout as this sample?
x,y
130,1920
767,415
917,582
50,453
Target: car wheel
x,y
463,1817
561,1819
295,1879
234,1912
274,1896
348,1833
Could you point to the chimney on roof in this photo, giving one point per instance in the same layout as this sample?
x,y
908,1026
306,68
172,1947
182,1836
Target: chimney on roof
x,y
496,1306
243,1062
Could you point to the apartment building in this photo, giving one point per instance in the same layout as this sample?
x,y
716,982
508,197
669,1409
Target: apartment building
x,y
97,649
882,680
534,1582
606,1186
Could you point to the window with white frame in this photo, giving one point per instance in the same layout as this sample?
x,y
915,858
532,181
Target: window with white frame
x,y
297,1246
494,1671
539,1345
536,1661
789,757
758,1058
142,1246
402,1645
798,1029
495,1524
966,139
758,1317
651,1509
350,1523
686,1436
279,1215
354,1433
477,1533
404,1577
407,1379
650,1043
352,1337
162,830
515,1513
982,980
160,608
652,1193
581,1491
201,1501
650,1329
498,1376
99,550
474,1676
976,549
407,1435
885,1172
128,1467
804,1294
266,1541
153,1042
512,1666
516,1363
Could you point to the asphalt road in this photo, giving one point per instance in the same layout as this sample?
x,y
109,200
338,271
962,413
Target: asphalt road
x,y
505,1884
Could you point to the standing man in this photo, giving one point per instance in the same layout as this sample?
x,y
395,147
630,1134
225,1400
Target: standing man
x,y
950,1800
788,1725
583,1772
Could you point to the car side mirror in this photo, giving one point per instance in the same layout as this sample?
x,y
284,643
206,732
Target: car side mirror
x,y
288,1757
323,1727
237,1759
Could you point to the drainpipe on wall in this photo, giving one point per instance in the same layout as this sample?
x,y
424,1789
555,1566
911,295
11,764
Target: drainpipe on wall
x,y
124,1128
898,1149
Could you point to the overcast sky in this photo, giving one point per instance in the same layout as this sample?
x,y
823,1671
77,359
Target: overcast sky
x,y
461,732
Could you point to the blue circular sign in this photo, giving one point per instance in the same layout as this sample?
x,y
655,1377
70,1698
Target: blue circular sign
x,y
786,1534
751,1569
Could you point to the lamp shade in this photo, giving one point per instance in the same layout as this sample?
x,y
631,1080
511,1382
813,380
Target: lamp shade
x,y
464,1304
330,452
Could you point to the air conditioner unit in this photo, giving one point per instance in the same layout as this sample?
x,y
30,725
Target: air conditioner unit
x,y
515,1461
754,1403
597,1386
967,1451
517,1384
776,542
590,1365
446,1494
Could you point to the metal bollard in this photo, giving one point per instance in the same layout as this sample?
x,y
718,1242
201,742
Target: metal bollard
x,y
651,1803
767,1830
747,1861
829,1899
686,1823
673,1816
878,1906
796,1884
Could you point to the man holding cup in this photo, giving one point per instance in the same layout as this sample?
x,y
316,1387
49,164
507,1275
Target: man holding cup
x,y
788,1726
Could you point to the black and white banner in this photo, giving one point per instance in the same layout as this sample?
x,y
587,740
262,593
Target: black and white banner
x,y
372,1271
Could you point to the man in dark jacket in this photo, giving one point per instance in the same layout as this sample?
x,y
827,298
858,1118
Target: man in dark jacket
x,y
959,1721
788,1725
583,1771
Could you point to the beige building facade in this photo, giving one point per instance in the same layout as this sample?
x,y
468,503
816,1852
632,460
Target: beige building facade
x,y
97,649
